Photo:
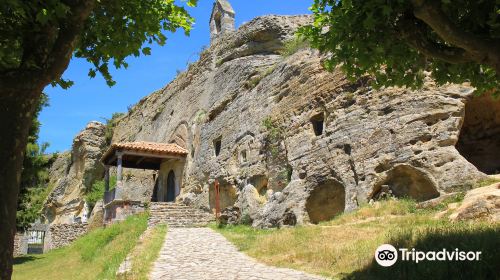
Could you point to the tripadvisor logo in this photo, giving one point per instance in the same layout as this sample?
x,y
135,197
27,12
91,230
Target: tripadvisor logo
x,y
386,255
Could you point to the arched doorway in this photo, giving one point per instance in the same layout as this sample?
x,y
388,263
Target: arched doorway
x,y
170,194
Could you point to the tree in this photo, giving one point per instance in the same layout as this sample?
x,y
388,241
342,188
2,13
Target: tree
x,y
396,41
34,177
37,41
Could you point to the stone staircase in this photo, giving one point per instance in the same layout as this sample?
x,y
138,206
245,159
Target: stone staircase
x,y
177,215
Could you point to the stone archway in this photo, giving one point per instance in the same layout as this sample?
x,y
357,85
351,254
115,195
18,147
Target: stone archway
x,y
479,140
325,201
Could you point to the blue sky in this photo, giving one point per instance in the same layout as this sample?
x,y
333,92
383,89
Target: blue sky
x,y
91,99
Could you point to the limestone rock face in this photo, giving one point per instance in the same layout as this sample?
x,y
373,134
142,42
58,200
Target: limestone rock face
x,y
73,173
481,203
289,142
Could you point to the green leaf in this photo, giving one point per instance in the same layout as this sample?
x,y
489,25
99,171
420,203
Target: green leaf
x,y
146,51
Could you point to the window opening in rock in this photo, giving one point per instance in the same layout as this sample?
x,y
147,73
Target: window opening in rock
x,y
318,123
243,156
217,146
218,25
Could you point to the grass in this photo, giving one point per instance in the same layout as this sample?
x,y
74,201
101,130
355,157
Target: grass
x,y
486,182
294,45
96,255
146,252
343,248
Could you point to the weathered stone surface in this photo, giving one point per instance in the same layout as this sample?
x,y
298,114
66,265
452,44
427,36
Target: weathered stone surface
x,y
287,129
266,110
73,173
96,218
230,216
480,204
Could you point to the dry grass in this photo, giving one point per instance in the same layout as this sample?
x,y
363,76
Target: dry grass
x,y
344,247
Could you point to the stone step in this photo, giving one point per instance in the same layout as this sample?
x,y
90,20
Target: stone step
x,y
177,215
179,212
181,215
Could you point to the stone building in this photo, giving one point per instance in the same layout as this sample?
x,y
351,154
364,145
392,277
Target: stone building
x,y
222,19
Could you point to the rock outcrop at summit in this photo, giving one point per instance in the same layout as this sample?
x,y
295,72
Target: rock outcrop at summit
x,y
72,174
289,142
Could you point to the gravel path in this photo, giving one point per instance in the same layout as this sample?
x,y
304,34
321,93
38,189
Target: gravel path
x,y
201,253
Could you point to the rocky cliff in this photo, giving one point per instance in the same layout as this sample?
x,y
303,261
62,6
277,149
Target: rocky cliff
x,y
288,141
72,174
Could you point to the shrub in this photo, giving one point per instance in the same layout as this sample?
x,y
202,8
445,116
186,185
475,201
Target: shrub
x,y
110,126
294,45
96,192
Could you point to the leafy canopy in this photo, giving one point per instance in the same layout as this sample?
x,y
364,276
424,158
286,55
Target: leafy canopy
x,y
32,31
397,41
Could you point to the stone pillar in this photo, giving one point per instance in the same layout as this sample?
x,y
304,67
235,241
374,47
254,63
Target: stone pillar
x,y
106,178
119,165
119,175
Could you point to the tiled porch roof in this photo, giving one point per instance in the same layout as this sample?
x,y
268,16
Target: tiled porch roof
x,y
161,148
154,149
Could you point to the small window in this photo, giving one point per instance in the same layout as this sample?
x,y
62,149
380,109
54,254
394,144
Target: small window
x,y
217,146
243,156
218,25
318,123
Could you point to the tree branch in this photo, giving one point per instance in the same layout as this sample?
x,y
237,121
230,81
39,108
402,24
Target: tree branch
x,y
51,59
480,50
412,32
62,51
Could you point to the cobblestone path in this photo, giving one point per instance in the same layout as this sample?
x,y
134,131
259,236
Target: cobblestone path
x,y
201,253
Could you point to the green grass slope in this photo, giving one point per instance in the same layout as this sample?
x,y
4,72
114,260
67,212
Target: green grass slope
x,y
97,255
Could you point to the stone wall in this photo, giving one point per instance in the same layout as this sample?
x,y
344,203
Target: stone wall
x,y
119,210
60,235
20,246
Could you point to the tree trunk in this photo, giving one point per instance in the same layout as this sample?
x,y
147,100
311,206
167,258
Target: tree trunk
x,y
17,107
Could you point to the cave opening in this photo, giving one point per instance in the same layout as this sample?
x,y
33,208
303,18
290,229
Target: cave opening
x,y
406,181
318,123
217,146
479,140
325,201
228,196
